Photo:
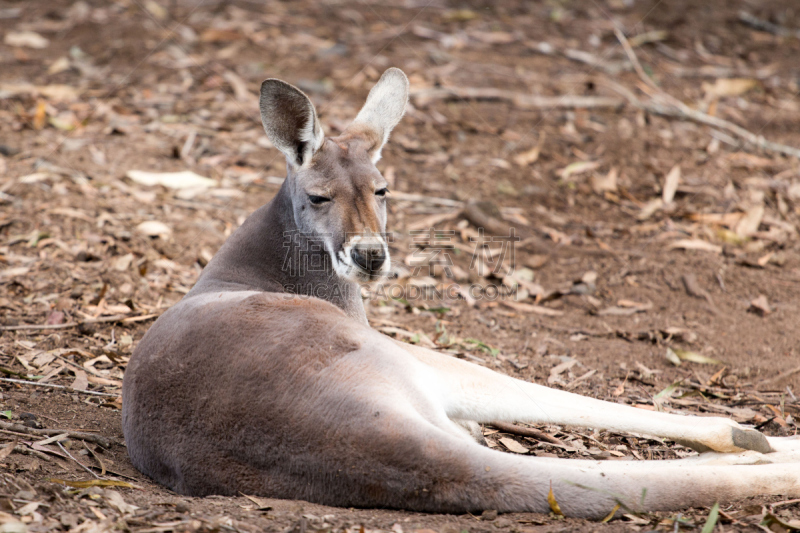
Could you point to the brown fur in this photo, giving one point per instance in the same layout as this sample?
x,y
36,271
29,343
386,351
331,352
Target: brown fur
x,y
262,413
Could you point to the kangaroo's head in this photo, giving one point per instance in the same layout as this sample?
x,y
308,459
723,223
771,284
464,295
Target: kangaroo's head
x,y
338,196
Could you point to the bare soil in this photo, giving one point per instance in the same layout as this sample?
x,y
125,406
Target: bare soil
x,y
605,286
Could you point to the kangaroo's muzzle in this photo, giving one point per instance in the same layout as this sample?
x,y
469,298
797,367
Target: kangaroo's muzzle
x,y
370,257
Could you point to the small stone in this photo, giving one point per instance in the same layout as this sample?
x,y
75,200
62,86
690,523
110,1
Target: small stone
x,y
760,306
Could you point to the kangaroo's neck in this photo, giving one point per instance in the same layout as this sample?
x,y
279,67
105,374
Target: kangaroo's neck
x,y
269,253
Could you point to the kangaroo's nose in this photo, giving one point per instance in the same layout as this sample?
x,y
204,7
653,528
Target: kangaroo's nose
x,y
369,257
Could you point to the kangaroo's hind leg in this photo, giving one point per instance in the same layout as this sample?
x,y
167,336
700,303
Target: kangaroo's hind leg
x,y
473,392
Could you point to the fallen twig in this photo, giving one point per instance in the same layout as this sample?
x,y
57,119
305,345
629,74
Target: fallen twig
x,y
80,463
482,215
672,107
19,448
609,67
637,67
117,474
85,369
35,453
125,319
421,198
423,97
526,432
776,379
764,25
54,386
731,519
96,458
79,435
684,111
784,502
10,372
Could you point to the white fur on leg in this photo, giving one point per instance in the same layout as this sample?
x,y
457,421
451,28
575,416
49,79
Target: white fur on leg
x,y
469,391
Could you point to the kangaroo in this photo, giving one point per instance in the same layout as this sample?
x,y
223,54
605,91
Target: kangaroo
x,y
267,379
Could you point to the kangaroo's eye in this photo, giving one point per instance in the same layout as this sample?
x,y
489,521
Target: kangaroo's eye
x,y
317,200
381,192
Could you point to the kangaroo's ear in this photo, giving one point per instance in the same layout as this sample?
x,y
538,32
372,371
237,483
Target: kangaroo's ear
x,y
290,120
384,108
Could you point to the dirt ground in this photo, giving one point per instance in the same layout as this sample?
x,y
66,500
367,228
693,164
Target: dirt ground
x,y
658,263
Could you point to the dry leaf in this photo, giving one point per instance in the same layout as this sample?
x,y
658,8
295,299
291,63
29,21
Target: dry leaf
x,y
214,35
772,522
122,262
620,389
171,180
115,499
625,308
528,157
601,184
764,259
672,357
579,167
103,381
671,184
27,39
91,483
493,37
556,371
722,219
6,450
610,515
50,440
551,500
644,38
750,221
529,308
156,9
37,177
695,244
116,403
723,87
40,116
13,272
81,380
524,159
52,92
513,446
153,228
261,504
72,213
59,65
694,357
745,160
650,208
116,309
631,303
29,508
794,191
